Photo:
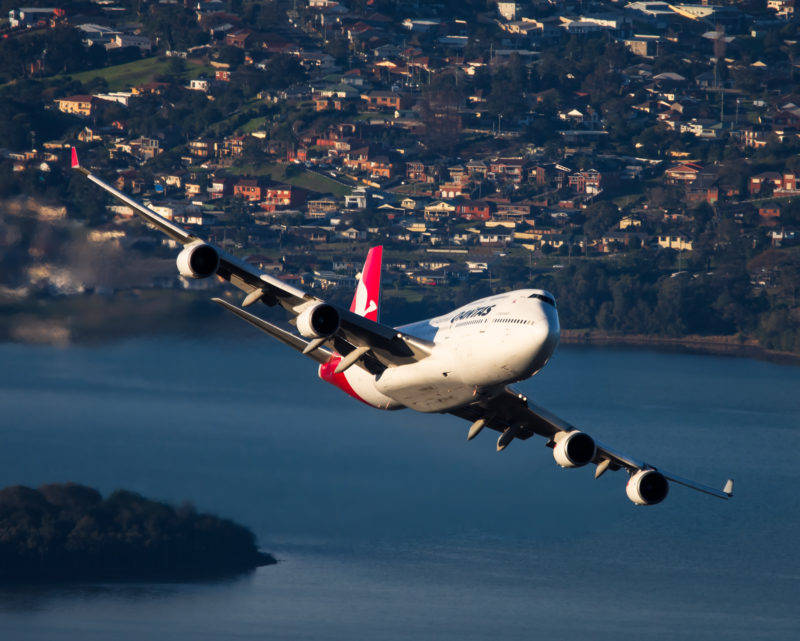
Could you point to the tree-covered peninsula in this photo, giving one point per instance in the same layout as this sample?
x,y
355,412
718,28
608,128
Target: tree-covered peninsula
x,y
69,531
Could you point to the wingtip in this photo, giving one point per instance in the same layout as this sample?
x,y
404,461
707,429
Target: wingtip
x,y
728,489
74,164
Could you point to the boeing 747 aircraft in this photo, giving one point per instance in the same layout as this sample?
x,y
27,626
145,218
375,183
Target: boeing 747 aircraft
x,y
461,363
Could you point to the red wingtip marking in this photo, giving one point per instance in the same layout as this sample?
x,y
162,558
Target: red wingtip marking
x,y
74,160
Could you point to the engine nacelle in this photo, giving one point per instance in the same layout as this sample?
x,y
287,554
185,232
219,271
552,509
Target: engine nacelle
x,y
647,487
198,260
318,321
574,449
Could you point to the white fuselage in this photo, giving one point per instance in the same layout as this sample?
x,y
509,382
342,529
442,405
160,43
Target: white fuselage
x,y
477,348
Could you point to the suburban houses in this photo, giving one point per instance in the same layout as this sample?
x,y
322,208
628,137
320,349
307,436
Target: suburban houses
x,y
508,133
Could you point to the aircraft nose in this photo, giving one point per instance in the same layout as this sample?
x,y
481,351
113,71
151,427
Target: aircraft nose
x,y
550,330
547,333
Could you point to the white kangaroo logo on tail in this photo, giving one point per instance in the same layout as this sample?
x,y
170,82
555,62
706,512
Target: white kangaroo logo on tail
x,y
364,305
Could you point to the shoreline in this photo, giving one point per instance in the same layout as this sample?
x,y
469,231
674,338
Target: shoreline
x,y
710,345
120,537
71,321
60,336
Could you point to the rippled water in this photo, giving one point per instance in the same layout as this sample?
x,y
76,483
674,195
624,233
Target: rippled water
x,y
391,525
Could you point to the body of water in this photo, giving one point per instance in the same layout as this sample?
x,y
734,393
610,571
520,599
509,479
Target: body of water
x,y
391,525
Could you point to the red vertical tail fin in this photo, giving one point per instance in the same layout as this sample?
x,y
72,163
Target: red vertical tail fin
x,y
367,299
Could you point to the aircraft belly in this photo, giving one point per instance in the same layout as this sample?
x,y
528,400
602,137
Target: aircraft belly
x,y
431,385
433,397
363,383
493,358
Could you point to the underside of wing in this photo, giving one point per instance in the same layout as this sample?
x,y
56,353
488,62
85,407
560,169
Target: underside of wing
x,y
390,346
511,414
374,350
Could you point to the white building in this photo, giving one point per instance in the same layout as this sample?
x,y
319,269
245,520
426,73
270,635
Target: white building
x,y
653,9
509,10
694,11
357,199
581,27
784,8
143,43
678,243
199,84
26,16
420,25
121,97
96,34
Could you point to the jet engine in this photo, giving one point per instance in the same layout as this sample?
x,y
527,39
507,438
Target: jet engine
x,y
318,321
574,449
647,487
198,260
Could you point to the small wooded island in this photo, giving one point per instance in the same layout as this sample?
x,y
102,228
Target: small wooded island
x,y
69,531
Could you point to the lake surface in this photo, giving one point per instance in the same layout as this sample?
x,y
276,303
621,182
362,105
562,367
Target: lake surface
x,y
391,525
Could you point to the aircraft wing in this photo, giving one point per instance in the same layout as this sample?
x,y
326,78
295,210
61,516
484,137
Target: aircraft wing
x,y
510,413
373,341
321,355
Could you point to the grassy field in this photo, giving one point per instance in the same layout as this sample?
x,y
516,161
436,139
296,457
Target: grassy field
x,y
254,124
261,169
305,179
405,295
138,72
316,182
627,199
413,189
374,115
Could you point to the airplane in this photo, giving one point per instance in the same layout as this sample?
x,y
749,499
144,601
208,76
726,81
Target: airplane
x,y
461,363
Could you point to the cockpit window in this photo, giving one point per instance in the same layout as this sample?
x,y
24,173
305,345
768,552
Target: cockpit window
x,y
544,298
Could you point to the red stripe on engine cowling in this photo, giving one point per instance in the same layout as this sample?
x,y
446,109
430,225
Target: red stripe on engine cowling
x,y
327,374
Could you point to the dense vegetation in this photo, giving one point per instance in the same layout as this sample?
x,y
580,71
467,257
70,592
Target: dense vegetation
x,y
68,531
642,293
